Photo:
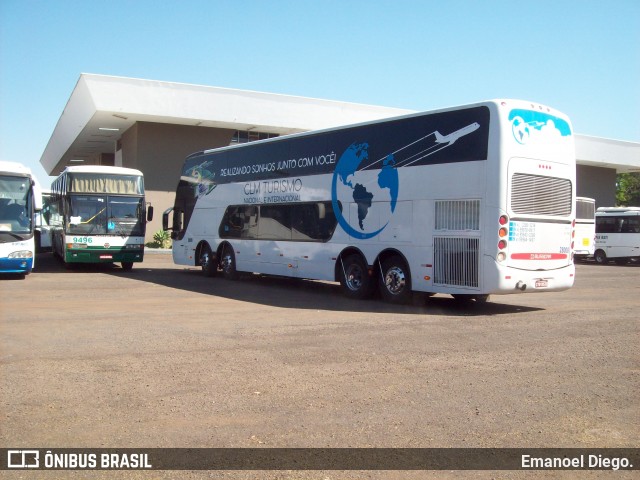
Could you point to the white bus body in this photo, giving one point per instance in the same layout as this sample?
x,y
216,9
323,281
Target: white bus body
x,y
468,201
42,235
617,234
585,227
20,198
97,215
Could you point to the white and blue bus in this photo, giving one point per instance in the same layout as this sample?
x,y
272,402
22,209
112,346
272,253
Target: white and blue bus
x,y
20,198
98,214
467,201
42,234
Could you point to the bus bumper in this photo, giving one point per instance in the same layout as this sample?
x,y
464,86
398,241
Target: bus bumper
x,y
16,265
512,280
103,256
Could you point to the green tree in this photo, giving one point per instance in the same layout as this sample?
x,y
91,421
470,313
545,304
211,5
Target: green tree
x,y
628,190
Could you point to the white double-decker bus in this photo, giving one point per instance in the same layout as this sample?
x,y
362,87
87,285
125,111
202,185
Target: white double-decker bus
x,y
20,198
617,235
585,238
97,215
468,201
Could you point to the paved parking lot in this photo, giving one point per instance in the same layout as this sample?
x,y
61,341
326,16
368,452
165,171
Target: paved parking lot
x,y
163,357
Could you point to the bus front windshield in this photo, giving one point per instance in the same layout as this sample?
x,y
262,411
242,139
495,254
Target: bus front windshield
x,y
15,205
102,215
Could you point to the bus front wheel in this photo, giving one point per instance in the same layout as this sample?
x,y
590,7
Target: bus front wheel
x,y
207,262
600,257
228,263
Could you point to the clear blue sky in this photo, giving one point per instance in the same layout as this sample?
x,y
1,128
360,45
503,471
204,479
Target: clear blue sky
x,y
581,57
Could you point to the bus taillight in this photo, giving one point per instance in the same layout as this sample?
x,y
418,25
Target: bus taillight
x,y
502,233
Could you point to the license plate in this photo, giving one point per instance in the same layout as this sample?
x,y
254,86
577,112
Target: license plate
x,y
542,283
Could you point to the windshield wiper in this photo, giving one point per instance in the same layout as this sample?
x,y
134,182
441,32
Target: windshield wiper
x,y
14,235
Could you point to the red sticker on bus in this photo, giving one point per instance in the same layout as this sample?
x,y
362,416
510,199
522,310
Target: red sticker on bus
x,y
538,256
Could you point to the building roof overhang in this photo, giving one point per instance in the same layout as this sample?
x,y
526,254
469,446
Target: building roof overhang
x,y
101,108
622,156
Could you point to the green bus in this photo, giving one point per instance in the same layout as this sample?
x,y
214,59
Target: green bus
x,y
99,215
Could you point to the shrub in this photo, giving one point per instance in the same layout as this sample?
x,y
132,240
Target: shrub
x,y
162,239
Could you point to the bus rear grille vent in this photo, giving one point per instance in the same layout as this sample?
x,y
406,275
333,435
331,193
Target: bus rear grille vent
x,y
456,261
538,195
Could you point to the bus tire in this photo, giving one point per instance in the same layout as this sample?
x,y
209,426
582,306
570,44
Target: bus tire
x,y
228,263
127,266
462,300
395,280
208,262
468,300
354,277
600,257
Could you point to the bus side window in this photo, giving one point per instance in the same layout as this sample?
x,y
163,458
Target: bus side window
x,y
239,222
605,225
630,225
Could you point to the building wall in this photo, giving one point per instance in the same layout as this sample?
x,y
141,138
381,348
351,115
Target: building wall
x,y
598,183
159,150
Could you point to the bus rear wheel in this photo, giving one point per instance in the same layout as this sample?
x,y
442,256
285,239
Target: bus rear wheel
x,y
600,257
355,279
395,280
127,266
465,300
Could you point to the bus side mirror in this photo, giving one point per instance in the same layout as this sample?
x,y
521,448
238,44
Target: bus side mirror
x,y
149,213
37,195
165,219
177,222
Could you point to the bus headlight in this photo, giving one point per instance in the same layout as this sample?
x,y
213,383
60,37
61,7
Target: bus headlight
x,y
21,254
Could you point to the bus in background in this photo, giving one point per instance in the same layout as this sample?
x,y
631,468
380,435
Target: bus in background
x,y
42,234
467,201
20,198
617,235
585,227
98,215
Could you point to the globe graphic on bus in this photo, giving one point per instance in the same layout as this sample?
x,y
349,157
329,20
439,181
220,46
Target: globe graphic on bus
x,y
520,130
368,197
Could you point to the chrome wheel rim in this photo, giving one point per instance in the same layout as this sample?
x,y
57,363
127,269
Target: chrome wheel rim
x,y
395,281
353,278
